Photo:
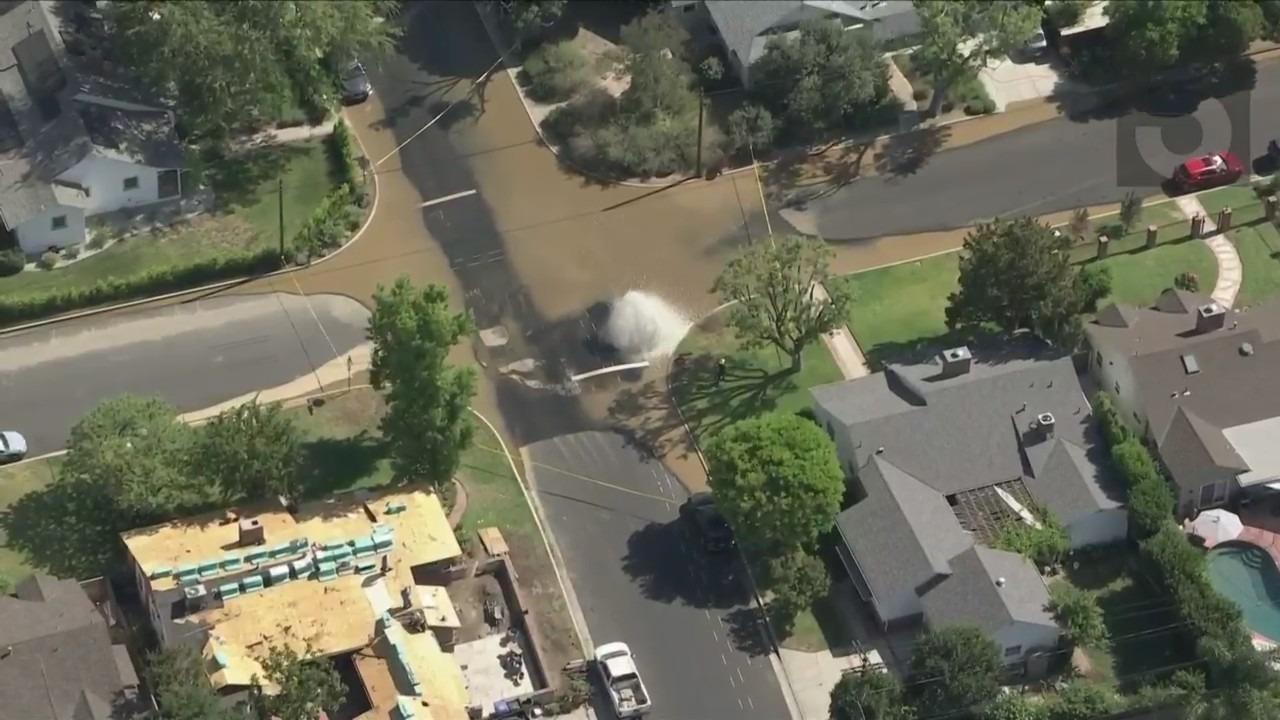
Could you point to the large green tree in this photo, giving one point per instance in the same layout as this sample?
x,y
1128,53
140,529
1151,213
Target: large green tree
x,y
531,16
307,685
250,451
224,63
135,452
1018,275
428,421
772,288
1150,35
821,80
870,695
777,479
181,687
1079,614
954,668
797,580
957,37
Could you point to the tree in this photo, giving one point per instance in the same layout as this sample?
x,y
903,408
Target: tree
x,y
797,580
307,685
1079,615
1150,35
177,678
957,37
249,452
821,80
711,70
661,79
135,451
223,63
772,288
870,695
1130,211
1229,27
530,16
1018,275
1046,545
954,668
1080,223
1084,701
428,421
1014,707
654,32
751,128
777,480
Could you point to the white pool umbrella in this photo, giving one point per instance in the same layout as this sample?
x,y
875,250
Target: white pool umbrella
x,y
1217,526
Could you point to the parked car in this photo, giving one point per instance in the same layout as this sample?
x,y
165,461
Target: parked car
x,y
710,524
1206,171
1037,44
1273,153
13,447
355,84
627,693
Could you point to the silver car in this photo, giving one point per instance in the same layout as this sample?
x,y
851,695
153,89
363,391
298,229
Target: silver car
x,y
13,447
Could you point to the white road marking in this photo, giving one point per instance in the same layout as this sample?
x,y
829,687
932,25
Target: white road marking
x,y
733,684
750,702
447,198
708,612
721,620
744,680
740,704
716,635
723,660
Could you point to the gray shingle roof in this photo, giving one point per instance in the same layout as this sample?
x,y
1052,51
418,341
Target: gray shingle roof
x,y
61,664
971,595
141,136
903,533
742,22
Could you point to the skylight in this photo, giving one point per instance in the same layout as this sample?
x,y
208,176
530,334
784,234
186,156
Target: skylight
x,y
1190,365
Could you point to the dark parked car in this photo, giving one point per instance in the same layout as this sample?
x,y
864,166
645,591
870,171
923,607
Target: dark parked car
x,y
1273,153
355,84
710,524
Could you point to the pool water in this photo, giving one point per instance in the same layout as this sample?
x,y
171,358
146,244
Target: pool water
x,y
1247,574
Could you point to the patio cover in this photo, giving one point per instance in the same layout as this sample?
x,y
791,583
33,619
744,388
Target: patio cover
x,y
1217,526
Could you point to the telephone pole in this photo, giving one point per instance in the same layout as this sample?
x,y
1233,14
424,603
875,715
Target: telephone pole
x,y
280,197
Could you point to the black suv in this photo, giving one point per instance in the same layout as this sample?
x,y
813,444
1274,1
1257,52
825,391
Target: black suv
x,y
701,510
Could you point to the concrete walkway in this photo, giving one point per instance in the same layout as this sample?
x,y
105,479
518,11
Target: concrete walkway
x,y
845,350
280,136
1230,271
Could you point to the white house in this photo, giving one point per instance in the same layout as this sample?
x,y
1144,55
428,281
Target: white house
x,y
1197,380
745,27
70,147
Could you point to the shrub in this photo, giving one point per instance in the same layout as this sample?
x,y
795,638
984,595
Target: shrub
x,y
1183,571
556,72
48,260
751,126
1046,545
1095,283
983,106
920,94
1065,13
711,70
342,154
1081,700
1188,281
332,220
71,253
1079,615
12,261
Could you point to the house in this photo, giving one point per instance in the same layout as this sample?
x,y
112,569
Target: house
x,y
945,454
57,658
357,578
1197,380
744,27
72,145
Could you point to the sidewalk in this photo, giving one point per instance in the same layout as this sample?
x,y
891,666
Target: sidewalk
x,y
1230,270
844,349
281,136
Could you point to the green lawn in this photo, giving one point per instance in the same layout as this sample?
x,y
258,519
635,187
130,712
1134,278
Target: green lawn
x,y
248,218
1246,206
1256,240
756,382
1138,619
15,482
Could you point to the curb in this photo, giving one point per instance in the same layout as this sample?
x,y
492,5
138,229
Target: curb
x,y
212,287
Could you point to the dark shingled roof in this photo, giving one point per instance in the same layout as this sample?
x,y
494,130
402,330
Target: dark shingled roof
x,y
972,596
60,662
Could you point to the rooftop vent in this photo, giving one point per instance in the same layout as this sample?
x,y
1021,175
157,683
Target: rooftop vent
x,y
1000,582
252,532
1046,423
1246,349
956,361
1190,365
195,597
1210,317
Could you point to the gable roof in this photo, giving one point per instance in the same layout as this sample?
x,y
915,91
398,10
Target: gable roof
x,y
903,533
975,430
61,664
989,589
741,23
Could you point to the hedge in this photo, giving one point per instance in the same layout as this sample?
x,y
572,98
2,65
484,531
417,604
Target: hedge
x,y
337,215
1151,501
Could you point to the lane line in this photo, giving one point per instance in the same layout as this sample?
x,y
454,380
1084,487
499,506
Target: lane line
x,y
734,685
723,660
447,198
744,680
751,702
715,635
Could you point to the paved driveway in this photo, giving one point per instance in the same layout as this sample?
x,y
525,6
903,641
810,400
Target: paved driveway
x,y
194,355
1011,80
640,579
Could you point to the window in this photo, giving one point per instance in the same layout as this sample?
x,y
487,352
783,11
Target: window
x,y
1098,357
131,183
1117,388
1013,651
59,222
1206,494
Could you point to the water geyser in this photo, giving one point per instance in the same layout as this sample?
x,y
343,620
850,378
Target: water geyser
x,y
643,326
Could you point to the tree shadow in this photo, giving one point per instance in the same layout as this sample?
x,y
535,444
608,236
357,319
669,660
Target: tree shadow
x,y
665,562
64,528
747,631
907,153
333,464
237,177
1175,94
451,114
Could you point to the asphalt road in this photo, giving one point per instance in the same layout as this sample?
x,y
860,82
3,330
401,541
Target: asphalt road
x,y
194,355
641,578
1057,165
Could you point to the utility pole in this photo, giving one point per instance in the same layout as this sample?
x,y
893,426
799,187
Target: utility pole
x,y
701,113
280,197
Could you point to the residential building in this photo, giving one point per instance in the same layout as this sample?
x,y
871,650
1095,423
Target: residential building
x,y
1196,379
358,578
72,144
744,27
945,454
58,660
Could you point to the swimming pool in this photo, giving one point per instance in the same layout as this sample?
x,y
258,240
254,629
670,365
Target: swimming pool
x,y
1247,574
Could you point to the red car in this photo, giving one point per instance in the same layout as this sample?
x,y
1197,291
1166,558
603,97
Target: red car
x,y
1208,171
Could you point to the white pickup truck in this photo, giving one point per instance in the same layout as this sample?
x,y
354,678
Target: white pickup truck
x,y
626,690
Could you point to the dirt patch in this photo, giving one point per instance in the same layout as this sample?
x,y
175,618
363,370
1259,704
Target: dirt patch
x,y
469,598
